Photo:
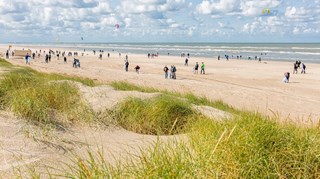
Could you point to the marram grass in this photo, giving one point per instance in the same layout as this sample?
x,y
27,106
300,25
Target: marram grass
x,y
162,115
126,86
41,98
250,146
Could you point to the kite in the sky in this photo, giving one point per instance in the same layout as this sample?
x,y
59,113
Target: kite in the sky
x,y
266,10
81,38
117,26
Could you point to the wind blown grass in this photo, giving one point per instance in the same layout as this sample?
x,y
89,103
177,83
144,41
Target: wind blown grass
x,y
162,115
125,86
250,146
40,98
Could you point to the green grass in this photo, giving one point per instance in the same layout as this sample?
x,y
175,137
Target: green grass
x,y
125,86
162,115
6,64
250,146
40,98
197,100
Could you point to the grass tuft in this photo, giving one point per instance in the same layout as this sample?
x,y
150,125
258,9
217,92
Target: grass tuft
x,y
6,64
163,115
125,86
40,98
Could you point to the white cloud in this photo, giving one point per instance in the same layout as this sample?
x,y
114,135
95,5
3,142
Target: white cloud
x,y
222,6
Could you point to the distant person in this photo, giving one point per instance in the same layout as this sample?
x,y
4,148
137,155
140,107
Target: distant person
x,y
303,71
174,70
76,63
299,63
202,68
100,56
126,64
108,55
47,58
186,62
27,58
137,68
65,59
127,57
171,69
166,69
295,68
33,55
7,54
188,55
196,67
286,77
58,56
219,57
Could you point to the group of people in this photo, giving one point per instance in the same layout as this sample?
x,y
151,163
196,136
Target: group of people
x,y
196,68
296,66
173,71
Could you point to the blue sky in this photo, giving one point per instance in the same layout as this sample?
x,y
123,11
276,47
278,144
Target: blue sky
x,y
159,21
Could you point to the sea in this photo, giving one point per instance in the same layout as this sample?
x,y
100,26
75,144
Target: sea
x,y
307,52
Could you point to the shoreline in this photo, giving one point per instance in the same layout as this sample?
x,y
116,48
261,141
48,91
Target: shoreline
x,y
74,47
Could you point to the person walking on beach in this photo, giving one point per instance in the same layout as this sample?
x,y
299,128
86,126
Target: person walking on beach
x,y
7,54
295,68
166,69
171,69
174,69
65,59
303,71
286,77
28,59
126,64
137,68
202,68
196,68
186,62
47,58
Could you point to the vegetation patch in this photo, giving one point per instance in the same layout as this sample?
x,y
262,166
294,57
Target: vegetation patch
x,y
163,115
6,64
251,146
39,97
125,86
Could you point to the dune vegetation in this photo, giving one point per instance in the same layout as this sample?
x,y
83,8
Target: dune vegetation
x,y
249,145
43,98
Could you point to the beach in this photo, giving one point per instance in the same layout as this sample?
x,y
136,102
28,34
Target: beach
x,y
243,84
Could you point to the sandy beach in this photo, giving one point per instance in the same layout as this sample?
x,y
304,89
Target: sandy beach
x,y
243,84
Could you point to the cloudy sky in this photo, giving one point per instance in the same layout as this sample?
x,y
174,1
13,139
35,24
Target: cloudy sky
x,y
159,21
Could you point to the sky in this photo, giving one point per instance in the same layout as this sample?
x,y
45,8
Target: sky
x,y
58,21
